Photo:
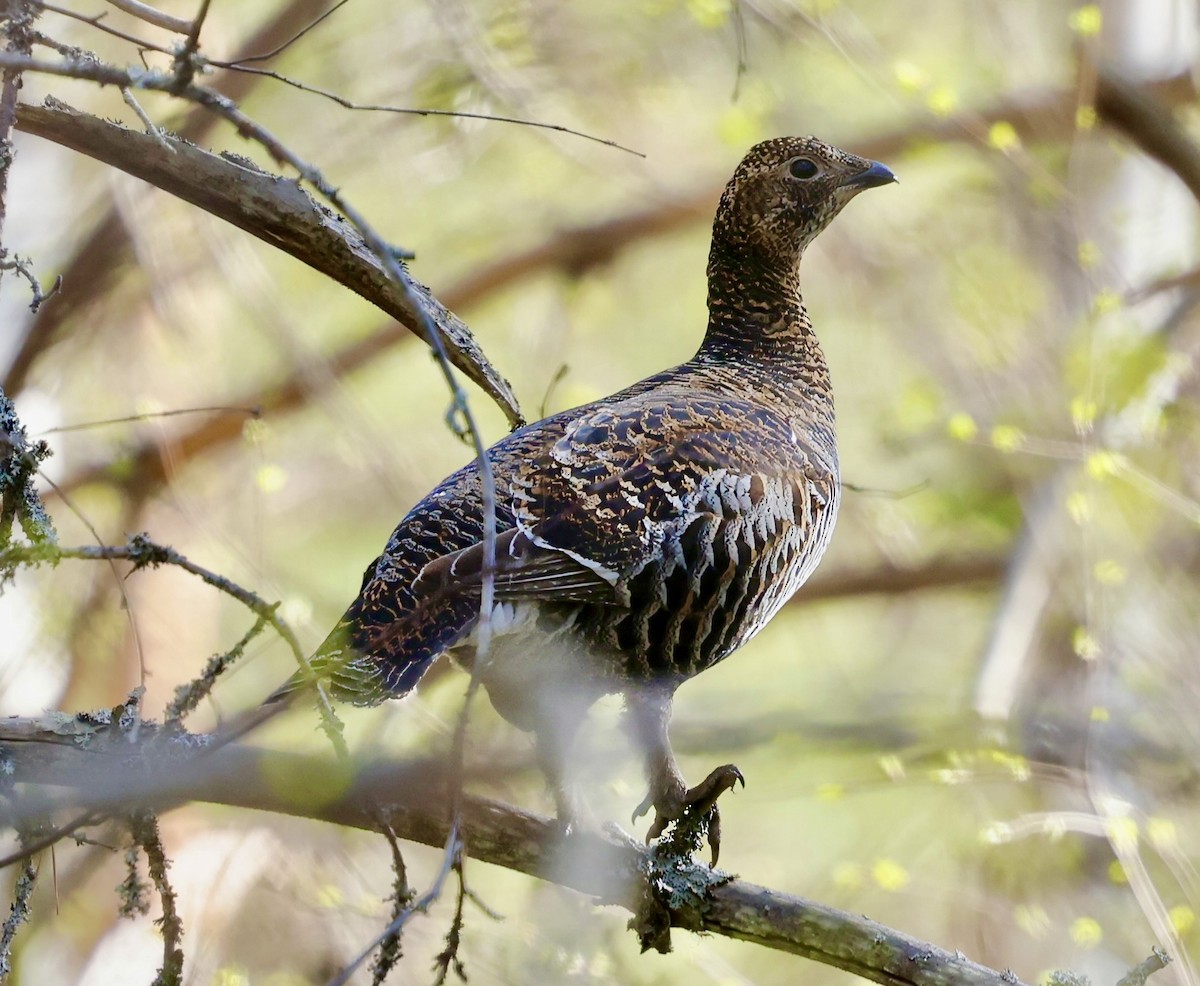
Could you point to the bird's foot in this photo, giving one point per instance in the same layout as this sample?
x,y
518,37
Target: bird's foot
x,y
699,802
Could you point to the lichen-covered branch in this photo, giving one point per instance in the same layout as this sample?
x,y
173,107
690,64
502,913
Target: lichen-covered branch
x,y
176,769
16,27
143,827
18,913
145,553
19,502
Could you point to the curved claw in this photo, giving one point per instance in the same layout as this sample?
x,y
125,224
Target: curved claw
x,y
714,833
704,795
645,806
698,800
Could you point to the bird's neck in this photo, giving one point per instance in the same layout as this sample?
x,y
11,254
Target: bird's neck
x,y
756,313
760,336
754,303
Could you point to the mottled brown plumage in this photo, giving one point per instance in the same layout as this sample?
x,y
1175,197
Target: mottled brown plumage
x,y
646,536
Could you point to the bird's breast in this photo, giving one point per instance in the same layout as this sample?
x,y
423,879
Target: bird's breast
x,y
742,547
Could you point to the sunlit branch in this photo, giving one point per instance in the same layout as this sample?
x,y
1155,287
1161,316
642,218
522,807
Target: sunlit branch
x,y
105,248
603,866
97,21
280,213
151,15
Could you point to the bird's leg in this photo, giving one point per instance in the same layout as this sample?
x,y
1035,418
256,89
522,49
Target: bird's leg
x,y
553,711
650,712
668,794
554,735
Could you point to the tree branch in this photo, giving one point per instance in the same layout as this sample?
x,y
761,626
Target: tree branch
x,y
106,248
275,210
1150,123
143,11
940,572
91,761
16,19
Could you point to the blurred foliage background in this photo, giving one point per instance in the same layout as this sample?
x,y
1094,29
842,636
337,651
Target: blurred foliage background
x,y
980,725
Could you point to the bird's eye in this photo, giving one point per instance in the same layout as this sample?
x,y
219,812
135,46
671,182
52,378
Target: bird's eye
x,y
802,167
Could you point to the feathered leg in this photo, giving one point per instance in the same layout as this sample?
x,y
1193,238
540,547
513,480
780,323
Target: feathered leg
x,y
668,794
554,738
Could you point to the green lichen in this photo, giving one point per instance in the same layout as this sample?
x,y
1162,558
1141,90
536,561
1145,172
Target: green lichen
x,y
19,502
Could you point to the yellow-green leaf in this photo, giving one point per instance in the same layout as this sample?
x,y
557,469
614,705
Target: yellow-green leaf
x,y
889,874
1086,932
1087,20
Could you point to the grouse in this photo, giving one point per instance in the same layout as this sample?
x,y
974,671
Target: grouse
x,y
644,537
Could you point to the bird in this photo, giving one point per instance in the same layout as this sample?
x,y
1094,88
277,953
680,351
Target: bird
x,y
641,538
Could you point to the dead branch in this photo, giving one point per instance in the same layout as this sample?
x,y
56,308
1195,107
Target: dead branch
x,y
78,756
143,11
276,210
106,248
18,33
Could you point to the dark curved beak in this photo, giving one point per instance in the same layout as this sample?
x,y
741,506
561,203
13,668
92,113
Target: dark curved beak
x,y
874,176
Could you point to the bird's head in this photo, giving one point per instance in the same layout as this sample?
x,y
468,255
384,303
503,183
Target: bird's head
x,y
784,193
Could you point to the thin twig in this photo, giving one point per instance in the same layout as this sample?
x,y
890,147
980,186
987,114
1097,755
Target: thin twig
x,y
450,852
143,11
22,267
250,412
410,111
97,22
126,603
143,552
448,959
188,696
143,826
401,897
48,838
151,128
280,48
